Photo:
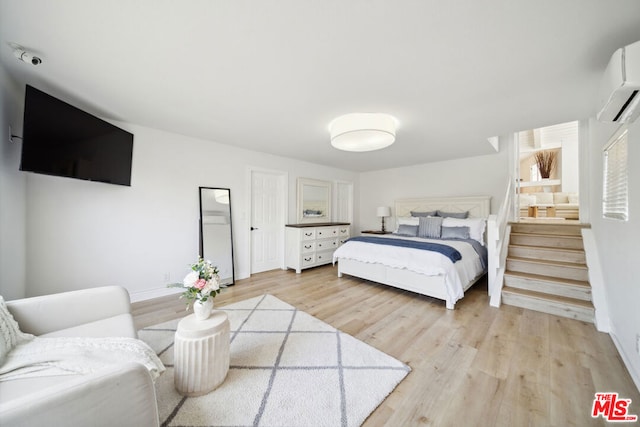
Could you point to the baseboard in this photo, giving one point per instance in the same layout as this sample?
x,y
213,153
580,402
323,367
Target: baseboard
x,y
153,293
635,376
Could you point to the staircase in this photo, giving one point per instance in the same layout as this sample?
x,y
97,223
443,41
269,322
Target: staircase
x,y
547,271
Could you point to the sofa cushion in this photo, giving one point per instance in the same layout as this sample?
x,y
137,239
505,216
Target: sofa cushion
x,y
560,198
526,199
116,395
544,198
116,326
573,198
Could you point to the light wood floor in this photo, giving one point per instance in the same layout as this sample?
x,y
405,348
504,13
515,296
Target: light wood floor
x,y
473,366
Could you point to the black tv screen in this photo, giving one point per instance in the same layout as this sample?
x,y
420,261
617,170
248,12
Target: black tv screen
x,y
60,139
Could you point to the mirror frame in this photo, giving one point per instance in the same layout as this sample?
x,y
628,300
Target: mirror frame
x,y
307,184
201,243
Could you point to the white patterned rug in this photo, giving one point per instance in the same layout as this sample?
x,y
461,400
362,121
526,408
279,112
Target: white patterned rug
x,y
287,368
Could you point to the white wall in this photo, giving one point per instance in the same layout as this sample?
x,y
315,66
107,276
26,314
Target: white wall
x,y
473,176
86,234
570,166
619,244
12,193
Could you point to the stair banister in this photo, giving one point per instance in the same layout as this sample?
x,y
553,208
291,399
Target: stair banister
x,y
497,245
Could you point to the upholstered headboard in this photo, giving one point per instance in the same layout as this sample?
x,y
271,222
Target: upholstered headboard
x,y
478,206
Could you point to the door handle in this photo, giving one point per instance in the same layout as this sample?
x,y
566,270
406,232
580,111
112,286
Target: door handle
x,y
254,228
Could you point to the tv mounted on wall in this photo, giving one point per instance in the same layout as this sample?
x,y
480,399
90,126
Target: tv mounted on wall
x,y
62,140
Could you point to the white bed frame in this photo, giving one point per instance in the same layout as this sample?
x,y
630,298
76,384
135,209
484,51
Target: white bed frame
x,y
433,286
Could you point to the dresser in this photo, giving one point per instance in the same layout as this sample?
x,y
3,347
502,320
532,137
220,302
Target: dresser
x,y
310,245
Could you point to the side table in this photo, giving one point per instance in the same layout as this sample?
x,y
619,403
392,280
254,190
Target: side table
x,y
201,354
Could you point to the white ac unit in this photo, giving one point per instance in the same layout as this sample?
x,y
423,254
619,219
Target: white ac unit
x,y
619,97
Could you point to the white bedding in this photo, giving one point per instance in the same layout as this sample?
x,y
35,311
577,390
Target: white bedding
x,y
429,263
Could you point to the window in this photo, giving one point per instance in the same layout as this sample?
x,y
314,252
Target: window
x,y
615,194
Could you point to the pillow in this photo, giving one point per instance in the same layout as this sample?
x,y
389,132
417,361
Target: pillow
x,y
544,198
455,232
460,215
430,213
526,199
408,220
407,230
573,198
429,227
476,226
560,198
10,333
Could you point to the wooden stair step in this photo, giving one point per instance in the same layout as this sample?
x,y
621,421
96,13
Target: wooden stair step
x,y
548,253
552,229
577,289
565,270
551,304
547,240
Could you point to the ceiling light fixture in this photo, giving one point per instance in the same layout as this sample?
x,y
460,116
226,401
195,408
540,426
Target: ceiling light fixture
x,y
363,131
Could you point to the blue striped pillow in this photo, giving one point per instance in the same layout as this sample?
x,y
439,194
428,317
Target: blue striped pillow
x,y
430,227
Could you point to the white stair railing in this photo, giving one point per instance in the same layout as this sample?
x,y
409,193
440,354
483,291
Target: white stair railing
x,y
498,230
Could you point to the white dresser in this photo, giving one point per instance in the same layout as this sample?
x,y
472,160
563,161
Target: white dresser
x,y
310,245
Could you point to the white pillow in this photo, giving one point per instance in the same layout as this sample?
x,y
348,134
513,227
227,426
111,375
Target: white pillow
x,y
527,199
476,226
407,220
544,198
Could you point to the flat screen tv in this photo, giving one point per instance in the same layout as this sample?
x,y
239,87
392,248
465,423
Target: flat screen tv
x,y
62,140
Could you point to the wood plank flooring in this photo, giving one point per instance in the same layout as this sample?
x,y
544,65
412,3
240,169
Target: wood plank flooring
x,y
472,366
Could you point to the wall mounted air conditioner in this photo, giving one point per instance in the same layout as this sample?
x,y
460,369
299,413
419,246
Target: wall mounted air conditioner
x,y
619,91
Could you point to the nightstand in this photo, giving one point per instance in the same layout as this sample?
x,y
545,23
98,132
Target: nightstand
x,y
375,232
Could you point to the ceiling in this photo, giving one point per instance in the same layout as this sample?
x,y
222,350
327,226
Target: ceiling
x,y
270,75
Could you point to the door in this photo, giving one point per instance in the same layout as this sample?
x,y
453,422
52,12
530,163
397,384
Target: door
x,y
268,207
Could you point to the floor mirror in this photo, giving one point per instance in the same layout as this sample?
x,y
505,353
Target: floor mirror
x,y
216,239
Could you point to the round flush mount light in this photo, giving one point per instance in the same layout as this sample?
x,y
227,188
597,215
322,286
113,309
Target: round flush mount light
x,y
363,131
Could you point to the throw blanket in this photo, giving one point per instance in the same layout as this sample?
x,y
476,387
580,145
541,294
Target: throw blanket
x,y
41,357
445,250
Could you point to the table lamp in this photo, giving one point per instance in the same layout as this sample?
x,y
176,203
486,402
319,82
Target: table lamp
x,y
383,212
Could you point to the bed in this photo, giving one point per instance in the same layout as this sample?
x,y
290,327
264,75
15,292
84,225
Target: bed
x,y
435,274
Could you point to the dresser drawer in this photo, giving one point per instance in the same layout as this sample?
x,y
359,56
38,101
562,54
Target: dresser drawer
x,y
309,234
323,245
308,246
308,260
326,232
324,257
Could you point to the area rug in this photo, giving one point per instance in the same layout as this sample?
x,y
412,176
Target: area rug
x,y
287,368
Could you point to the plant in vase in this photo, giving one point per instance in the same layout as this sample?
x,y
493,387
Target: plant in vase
x,y
545,161
201,285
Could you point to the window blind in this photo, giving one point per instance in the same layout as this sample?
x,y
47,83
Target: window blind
x,y
615,194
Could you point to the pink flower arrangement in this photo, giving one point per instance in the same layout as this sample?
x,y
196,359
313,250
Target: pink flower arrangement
x,y
201,283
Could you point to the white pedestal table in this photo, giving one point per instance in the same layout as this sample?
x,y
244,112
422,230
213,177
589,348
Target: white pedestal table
x,y
201,354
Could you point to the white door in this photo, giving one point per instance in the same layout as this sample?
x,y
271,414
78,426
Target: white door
x,y
267,220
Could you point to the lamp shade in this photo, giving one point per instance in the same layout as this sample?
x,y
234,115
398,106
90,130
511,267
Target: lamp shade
x,y
363,131
383,211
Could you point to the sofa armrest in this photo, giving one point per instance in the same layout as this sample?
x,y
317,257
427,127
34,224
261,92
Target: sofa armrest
x,y
48,313
122,395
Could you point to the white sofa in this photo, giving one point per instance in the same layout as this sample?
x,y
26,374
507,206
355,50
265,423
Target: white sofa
x,y
566,204
123,395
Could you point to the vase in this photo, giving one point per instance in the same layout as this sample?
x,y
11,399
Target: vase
x,y
202,309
